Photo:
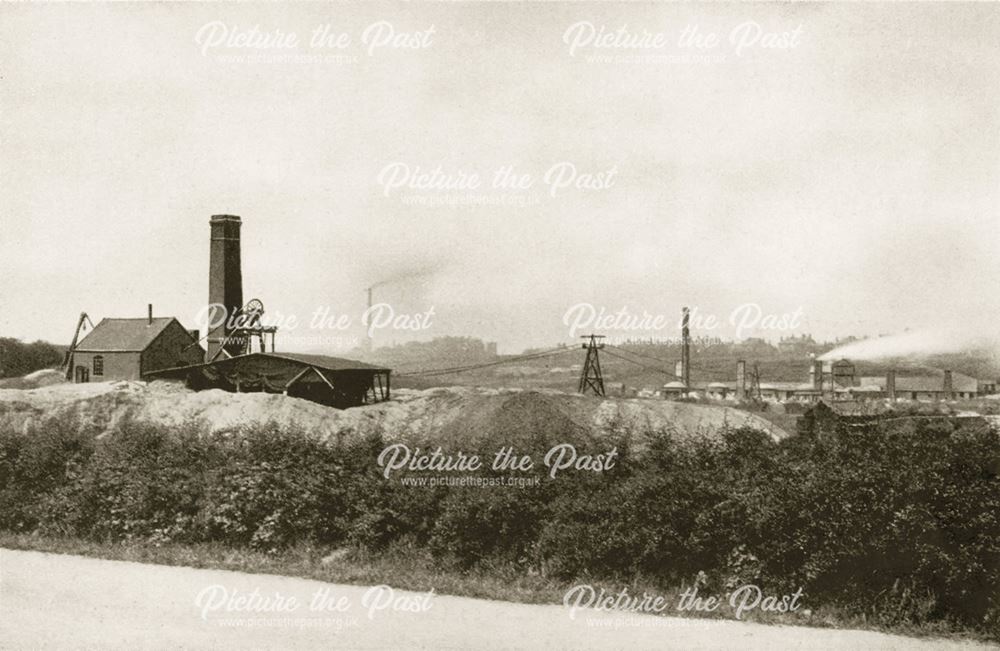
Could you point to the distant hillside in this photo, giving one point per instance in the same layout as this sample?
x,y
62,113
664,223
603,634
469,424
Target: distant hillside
x,y
641,364
449,351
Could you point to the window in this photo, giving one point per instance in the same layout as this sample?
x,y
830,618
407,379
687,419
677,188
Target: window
x,y
98,365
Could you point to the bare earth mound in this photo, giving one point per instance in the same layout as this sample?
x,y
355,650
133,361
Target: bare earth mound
x,y
452,415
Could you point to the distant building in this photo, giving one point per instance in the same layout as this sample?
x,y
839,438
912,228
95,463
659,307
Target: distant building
x,y
789,392
802,344
936,385
127,349
833,417
674,390
717,390
829,417
837,381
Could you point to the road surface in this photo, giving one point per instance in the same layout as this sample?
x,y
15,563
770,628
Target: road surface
x,y
55,601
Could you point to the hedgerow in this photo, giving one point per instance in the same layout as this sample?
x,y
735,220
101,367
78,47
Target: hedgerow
x,y
900,523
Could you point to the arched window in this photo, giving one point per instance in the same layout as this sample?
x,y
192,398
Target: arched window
x,y
98,365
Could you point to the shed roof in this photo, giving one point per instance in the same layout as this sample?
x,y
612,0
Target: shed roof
x,y
326,362
930,383
855,407
331,381
880,408
323,362
787,386
123,335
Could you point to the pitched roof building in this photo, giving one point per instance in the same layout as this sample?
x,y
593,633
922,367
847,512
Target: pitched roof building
x,y
126,349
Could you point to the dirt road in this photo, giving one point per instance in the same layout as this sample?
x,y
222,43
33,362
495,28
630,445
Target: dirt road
x,y
55,601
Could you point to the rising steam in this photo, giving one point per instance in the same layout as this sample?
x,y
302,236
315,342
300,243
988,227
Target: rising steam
x,y
914,344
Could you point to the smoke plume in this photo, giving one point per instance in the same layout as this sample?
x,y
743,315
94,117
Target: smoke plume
x,y
915,344
406,271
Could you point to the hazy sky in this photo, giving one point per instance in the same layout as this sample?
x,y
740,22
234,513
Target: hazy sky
x,y
851,176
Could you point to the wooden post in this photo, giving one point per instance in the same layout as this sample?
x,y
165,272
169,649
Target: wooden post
x,y
295,379
323,377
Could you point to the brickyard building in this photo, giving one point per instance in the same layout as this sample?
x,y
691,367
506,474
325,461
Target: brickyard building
x,y
127,349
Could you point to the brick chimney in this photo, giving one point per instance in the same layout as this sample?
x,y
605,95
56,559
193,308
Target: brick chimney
x,y
816,374
741,380
948,392
890,385
225,280
685,347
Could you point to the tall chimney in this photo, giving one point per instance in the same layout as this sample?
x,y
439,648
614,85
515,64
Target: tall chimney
x,y
225,281
369,341
890,385
816,374
685,347
149,314
948,393
824,370
741,380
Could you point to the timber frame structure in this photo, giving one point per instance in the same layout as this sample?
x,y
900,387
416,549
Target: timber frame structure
x,y
331,381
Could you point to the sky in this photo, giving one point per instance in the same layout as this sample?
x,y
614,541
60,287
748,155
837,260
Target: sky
x,y
830,169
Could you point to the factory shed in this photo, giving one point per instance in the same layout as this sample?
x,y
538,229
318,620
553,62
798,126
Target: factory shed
x,y
332,381
854,415
936,385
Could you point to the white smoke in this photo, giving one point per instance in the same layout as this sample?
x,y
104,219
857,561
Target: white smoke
x,y
915,344
406,271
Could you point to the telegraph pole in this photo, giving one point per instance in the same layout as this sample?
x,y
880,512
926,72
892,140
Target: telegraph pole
x,y
755,394
590,377
369,344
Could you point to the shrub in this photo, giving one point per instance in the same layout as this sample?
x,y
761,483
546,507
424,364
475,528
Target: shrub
x,y
46,459
275,486
484,524
143,481
899,522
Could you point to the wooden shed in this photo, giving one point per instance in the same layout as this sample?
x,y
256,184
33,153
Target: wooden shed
x,y
331,381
